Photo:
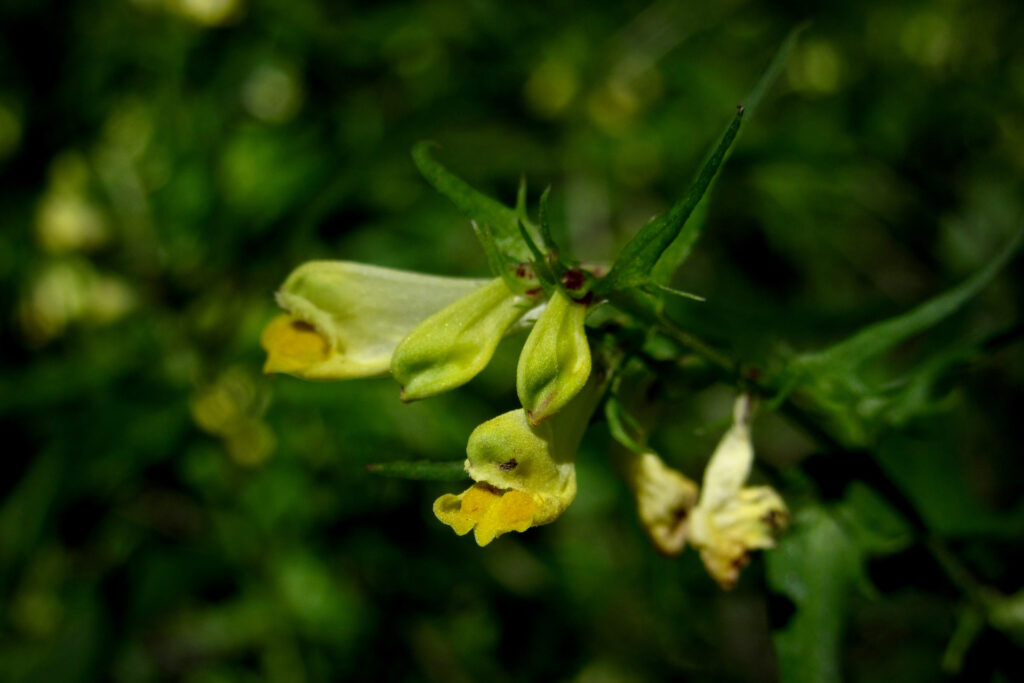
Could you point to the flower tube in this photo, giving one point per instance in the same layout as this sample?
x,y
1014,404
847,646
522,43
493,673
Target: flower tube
x,y
345,319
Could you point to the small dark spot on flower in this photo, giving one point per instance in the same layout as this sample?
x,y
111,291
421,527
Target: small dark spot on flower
x,y
533,292
508,465
741,561
775,519
679,514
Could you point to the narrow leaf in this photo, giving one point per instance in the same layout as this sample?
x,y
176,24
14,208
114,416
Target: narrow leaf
x,y
430,470
663,244
879,337
679,250
634,264
545,226
499,262
623,427
502,222
540,264
521,212
558,266
774,70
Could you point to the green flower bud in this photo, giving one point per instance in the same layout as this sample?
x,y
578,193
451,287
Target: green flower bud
x,y
345,319
452,346
555,362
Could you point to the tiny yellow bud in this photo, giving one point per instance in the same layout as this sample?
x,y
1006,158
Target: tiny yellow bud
x,y
555,362
453,345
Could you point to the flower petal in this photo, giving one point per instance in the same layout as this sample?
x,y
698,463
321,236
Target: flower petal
x,y
487,511
664,500
750,521
360,312
730,464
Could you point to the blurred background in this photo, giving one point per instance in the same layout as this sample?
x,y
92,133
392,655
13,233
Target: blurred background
x,y
169,513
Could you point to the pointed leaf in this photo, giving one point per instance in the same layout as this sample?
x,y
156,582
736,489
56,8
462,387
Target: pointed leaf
x,y
547,277
665,242
634,264
623,427
502,222
501,264
815,566
880,337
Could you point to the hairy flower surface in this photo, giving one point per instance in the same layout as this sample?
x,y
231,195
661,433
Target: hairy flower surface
x,y
453,345
525,474
555,362
345,319
729,521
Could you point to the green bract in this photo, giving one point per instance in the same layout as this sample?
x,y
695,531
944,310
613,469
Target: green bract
x,y
555,362
450,347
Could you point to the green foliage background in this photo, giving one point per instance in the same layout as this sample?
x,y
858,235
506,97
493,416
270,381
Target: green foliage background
x,y
168,513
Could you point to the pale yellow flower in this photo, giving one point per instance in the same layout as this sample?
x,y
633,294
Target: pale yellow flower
x,y
729,521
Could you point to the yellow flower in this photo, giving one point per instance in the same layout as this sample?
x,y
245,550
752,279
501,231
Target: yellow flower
x,y
729,520
525,475
345,319
664,499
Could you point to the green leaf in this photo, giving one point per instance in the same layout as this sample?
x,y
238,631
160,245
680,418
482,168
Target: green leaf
x,y
880,337
623,427
629,408
431,470
547,277
816,565
637,259
665,242
679,250
500,263
497,222
545,226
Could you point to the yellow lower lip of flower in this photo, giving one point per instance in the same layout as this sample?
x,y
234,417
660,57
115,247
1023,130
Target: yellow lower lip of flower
x,y
488,512
293,346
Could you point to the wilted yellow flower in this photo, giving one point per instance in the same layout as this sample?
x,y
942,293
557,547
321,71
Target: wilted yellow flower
x,y
345,319
664,500
729,520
